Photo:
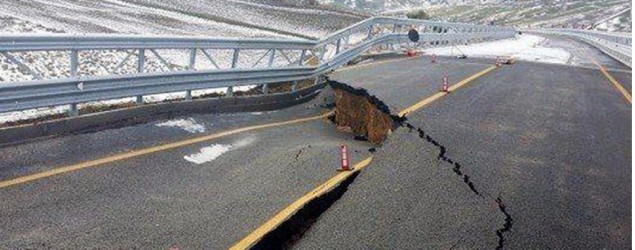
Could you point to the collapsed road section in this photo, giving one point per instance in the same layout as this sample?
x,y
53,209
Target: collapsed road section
x,y
355,111
368,118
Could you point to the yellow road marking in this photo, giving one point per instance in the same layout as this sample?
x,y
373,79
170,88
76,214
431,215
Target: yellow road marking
x,y
290,210
436,96
136,153
376,63
608,76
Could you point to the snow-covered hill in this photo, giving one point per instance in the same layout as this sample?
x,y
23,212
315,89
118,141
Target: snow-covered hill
x,y
227,18
556,13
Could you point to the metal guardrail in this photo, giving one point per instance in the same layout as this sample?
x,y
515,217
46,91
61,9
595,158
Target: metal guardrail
x,y
616,45
205,62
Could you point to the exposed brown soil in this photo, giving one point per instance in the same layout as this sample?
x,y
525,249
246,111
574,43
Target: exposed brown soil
x,y
279,87
101,108
366,116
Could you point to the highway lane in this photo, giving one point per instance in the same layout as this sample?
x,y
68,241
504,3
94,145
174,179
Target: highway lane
x,y
327,188
50,153
581,53
556,145
552,141
402,83
160,200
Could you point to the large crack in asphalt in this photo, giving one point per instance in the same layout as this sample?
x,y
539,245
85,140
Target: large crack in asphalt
x,y
292,230
467,180
369,118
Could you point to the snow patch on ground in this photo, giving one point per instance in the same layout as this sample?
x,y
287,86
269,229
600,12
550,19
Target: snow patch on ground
x,y
189,125
31,114
212,152
208,153
522,47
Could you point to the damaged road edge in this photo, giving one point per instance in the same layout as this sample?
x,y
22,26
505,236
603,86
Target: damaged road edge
x,y
363,114
366,116
290,224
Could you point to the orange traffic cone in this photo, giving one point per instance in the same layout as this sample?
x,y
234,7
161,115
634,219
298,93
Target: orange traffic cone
x,y
445,87
346,166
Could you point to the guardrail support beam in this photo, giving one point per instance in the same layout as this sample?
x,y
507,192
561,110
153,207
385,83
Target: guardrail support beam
x,y
265,89
235,58
302,55
141,60
73,112
192,65
188,95
74,62
139,100
272,56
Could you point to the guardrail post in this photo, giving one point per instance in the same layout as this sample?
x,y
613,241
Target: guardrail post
x,y
230,89
139,100
188,95
141,61
73,112
394,28
338,44
265,89
74,62
235,58
370,31
192,59
294,86
271,57
302,55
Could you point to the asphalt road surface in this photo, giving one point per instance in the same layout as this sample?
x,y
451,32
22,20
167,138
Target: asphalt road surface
x,y
161,200
552,142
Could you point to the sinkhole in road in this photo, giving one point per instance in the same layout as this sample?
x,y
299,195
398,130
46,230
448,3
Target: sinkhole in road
x,y
358,112
362,114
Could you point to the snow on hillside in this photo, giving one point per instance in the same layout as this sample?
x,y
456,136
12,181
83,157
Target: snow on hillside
x,y
558,13
115,16
226,18
522,47
300,21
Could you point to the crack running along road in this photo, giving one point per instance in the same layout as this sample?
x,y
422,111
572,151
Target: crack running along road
x,y
286,213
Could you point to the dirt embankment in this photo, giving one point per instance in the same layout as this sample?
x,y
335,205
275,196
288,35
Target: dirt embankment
x,y
363,114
